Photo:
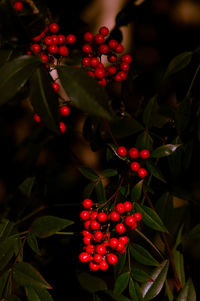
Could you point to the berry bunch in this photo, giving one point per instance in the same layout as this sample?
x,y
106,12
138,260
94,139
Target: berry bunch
x,y
103,234
94,48
133,154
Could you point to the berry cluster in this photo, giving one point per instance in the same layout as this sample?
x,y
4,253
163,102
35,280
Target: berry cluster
x,y
133,154
103,234
94,48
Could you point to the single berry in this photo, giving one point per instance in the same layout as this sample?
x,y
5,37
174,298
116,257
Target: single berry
x,y
99,72
113,243
104,31
119,48
37,38
84,257
48,40
87,224
120,208
102,217
93,266
103,48
53,49
99,38
88,36
29,52
85,232
87,203
144,154
112,58
124,67
102,82
62,127
91,73
138,216
36,117
94,225
90,249
84,215
135,166
70,38
133,153
100,249
118,78
129,220
87,239
63,50
112,70
122,151
53,27
54,39
128,206
126,58
56,87
86,48
120,228
18,5
142,173
122,74
86,61
124,239
64,111
113,44
114,216
103,265
112,259
97,258
93,215
98,235
61,39
134,226
44,58
36,48
94,62
120,247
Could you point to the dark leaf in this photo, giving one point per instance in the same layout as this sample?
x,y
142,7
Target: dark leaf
x,y
139,275
5,228
195,232
148,113
91,283
26,186
178,63
134,291
164,208
100,192
182,115
151,289
155,171
88,189
14,298
89,173
31,294
137,191
7,251
125,127
46,226
3,281
168,291
33,244
179,258
121,284
141,255
121,263
188,292
109,172
38,294
164,150
144,141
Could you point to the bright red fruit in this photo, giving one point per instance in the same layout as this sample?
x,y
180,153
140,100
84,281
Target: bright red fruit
x,y
126,58
120,247
94,62
84,215
56,87
128,206
62,127
86,61
122,151
88,36
98,235
48,40
102,217
129,220
112,70
97,258
142,173
103,48
103,265
53,27
87,239
112,58
84,257
100,249
113,242
138,216
63,50
64,111
119,48
94,225
124,239
112,259
36,117
133,153
99,38
53,49
144,154
114,216
93,215
120,228
99,72
104,31
18,5
93,266
61,39
70,38
54,39
86,48
44,58
87,203
112,44
89,249
124,66
87,224
134,166
36,48
120,208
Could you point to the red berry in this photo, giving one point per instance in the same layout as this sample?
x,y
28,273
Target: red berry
x,y
85,232
129,221
84,215
100,249
48,40
118,78
144,154
124,67
53,49
86,61
133,153
71,38
93,266
94,225
112,70
86,48
54,39
63,50
99,73
122,151
18,5
114,216
87,239
113,243
87,224
103,49
56,87
128,206
29,52
134,226
99,38
138,216
119,48
102,217
36,48
87,203
105,243
112,44
44,58
93,215
112,259
120,228
120,208
84,257
102,82
122,251
142,173
88,36
61,39
36,117
122,74
94,61
104,31
112,58
124,239
135,166
103,265
97,258
53,27
126,58
98,235
91,73
37,38
64,111
62,127
90,249
120,247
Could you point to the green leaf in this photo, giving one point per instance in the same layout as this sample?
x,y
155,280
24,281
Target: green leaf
x,y
155,171
188,292
14,298
26,186
148,112
137,191
164,208
7,251
3,281
44,99
5,228
164,150
100,192
151,218
43,294
168,291
134,291
46,226
151,289
195,232
121,283
125,127
178,63
139,275
31,294
141,255
14,75
85,93
179,258
182,115
91,283
26,275
109,172
33,244
122,298
144,141
89,173
88,189
118,268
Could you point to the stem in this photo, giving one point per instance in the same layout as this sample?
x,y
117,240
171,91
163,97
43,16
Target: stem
x,y
30,214
33,6
65,233
110,132
192,82
19,234
117,191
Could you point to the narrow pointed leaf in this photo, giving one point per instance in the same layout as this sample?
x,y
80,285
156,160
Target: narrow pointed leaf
x,y
33,244
195,232
168,291
121,263
125,127
6,228
43,294
89,173
148,112
155,171
164,208
91,283
164,150
3,281
134,291
26,275
109,172
7,251
26,186
139,275
151,218
143,256
121,283
48,225
178,63
179,258
31,294
137,191
100,192
88,189
188,292
151,289
85,93
144,141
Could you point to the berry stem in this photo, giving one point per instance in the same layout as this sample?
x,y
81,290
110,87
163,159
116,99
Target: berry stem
x,y
117,191
30,215
33,6
110,132
65,233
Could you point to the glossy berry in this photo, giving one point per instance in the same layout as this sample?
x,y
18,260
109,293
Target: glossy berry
x,y
112,70
122,75
124,239
100,249
133,153
134,226
53,27
102,217
126,58
91,73
88,36
119,48
90,249
128,206
124,67
62,127
36,48
120,228
44,58
64,111
93,266
85,232
144,154
84,257
112,44
113,243
99,73
129,220
87,224
36,117
87,203
61,39
138,216
102,82
142,173
93,215
86,61
103,265
84,215
122,151
135,166
53,49
112,58
103,49
120,208
120,247
97,258
54,39
70,39
94,225
48,40
104,31
99,38
18,5
56,87
86,48
114,216
87,239
112,259
63,50
94,62
98,235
